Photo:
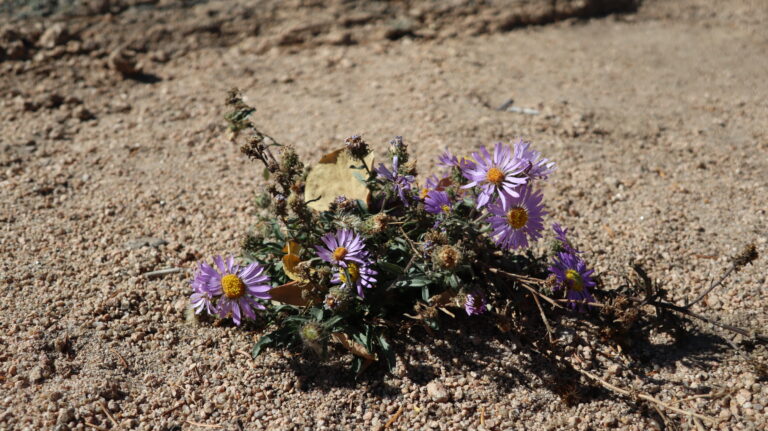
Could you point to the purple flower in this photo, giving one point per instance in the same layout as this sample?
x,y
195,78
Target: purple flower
x,y
235,288
432,183
572,274
448,160
516,220
437,202
532,166
342,248
475,303
400,183
560,235
360,277
501,173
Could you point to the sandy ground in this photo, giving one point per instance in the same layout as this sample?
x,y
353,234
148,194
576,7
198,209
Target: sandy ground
x,y
657,118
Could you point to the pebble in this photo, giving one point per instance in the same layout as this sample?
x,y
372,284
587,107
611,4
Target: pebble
x,y
437,392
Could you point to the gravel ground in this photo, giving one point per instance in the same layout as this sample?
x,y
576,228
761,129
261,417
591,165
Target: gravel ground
x,y
657,119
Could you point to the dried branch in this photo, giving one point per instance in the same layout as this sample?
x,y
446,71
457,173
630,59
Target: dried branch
x,y
643,396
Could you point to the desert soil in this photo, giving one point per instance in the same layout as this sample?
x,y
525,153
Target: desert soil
x,y
114,162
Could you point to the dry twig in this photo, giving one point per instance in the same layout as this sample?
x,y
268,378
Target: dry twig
x,y
643,396
394,417
109,415
120,357
198,424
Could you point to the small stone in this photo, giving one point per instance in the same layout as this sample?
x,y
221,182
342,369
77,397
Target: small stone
x,y
725,414
82,113
743,396
36,375
65,416
54,36
124,61
438,392
16,50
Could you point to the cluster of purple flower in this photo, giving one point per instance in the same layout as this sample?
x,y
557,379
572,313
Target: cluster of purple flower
x,y
503,186
571,272
345,250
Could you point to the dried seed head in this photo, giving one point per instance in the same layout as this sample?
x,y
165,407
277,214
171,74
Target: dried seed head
x,y
436,237
357,147
338,298
397,147
349,221
447,257
748,255
312,334
378,223
341,204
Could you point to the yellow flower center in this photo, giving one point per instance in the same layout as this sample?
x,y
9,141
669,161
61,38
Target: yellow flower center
x,y
423,194
232,286
517,217
575,282
353,271
495,176
445,208
340,253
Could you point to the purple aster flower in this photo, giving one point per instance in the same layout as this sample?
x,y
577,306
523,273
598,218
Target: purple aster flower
x,y
533,167
501,173
560,235
572,274
516,220
437,202
360,277
448,160
400,183
342,248
237,288
475,303
201,298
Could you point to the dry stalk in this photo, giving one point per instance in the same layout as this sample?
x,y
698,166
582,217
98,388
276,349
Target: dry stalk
x,y
643,396
198,424
109,415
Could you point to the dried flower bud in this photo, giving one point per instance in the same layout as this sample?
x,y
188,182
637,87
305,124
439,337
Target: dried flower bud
x,y
341,205
281,207
338,298
436,237
312,335
747,256
447,257
377,224
263,200
397,147
357,147
349,221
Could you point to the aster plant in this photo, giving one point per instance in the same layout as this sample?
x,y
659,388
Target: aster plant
x,y
373,250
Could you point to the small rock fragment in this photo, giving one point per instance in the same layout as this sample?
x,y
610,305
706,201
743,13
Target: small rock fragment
x,y
82,113
438,392
54,36
124,61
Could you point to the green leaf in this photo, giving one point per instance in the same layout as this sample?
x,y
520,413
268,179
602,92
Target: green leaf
x,y
263,342
265,174
317,313
390,267
330,323
453,281
389,354
418,282
425,293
